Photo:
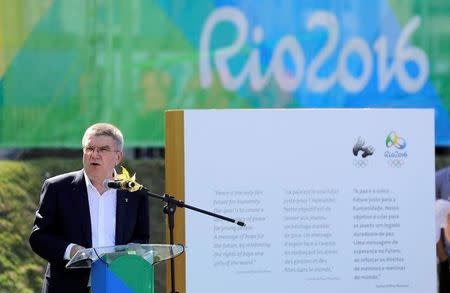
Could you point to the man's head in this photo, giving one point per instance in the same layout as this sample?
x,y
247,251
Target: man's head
x,y
102,151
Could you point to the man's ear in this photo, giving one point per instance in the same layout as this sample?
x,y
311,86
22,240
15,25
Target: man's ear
x,y
119,157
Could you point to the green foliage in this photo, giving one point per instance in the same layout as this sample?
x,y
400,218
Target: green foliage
x,y
19,193
20,184
442,160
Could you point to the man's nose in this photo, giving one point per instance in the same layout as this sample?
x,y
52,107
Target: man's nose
x,y
95,151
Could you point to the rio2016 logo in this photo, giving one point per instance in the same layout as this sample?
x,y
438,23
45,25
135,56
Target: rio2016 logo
x,y
308,70
393,140
396,158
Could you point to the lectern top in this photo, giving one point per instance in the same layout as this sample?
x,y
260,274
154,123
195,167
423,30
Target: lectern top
x,y
152,253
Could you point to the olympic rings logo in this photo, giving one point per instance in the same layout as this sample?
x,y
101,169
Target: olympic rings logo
x,y
396,163
360,163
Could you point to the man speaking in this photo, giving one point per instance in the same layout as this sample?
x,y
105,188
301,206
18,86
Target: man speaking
x,y
77,211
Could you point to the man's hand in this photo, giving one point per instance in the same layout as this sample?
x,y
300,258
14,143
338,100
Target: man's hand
x,y
75,249
440,250
447,229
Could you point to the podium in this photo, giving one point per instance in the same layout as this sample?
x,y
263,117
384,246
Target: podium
x,y
123,268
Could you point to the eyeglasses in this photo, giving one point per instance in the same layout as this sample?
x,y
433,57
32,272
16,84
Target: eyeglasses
x,y
101,150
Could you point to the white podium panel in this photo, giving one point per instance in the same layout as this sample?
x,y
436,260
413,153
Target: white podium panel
x,y
334,200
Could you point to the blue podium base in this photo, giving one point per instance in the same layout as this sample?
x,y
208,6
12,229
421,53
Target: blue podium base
x,y
103,280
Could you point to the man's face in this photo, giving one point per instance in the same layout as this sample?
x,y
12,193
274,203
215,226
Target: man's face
x,y
100,156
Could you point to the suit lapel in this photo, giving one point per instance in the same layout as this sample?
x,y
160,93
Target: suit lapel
x,y
121,216
81,202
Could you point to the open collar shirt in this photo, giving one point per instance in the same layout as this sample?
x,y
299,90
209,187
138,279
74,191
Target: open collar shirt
x,y
102,209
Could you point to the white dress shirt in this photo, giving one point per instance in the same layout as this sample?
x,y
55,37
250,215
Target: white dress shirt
x,y
102,208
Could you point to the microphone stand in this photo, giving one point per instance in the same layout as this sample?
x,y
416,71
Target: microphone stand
x,y
169,209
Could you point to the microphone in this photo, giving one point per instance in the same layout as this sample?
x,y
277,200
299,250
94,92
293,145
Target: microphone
x,y
118,184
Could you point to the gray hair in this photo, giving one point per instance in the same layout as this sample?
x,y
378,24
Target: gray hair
x,y
104,129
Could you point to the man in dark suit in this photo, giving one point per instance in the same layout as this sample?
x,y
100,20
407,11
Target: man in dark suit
x,y
443,245
76,211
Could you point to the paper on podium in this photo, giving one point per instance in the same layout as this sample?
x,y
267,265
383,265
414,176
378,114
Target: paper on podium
x,y
442,210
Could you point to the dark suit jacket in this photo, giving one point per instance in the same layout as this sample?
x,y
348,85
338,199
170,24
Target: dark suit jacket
x,y
443,192
63,217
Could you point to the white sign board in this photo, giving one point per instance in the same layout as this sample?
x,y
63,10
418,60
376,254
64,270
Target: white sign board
x,y
334,200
